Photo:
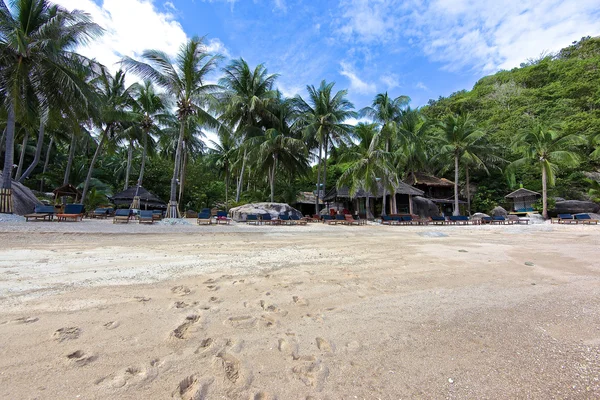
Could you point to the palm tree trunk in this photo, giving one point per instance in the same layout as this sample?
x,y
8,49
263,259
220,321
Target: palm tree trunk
x,y
46,162
325,166
128,169
273,178
2,140
456,209
173,209
368,212
241,180
88,178
318,180
182,173
226,188
544,193
143,166
38,152
468,191
70,160
6,192
410,204
22,156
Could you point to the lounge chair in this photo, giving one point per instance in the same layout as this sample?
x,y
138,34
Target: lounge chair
x,y
252,219
204,218
329,220
157,215
314,218
515,219
121,215
101,213
340,219
286,220
487,220
499,220
387,220
351,221
72,212
45,213
222,218
145,217
297,220
459,220
407,220
564,219
585,219
268,220
438,220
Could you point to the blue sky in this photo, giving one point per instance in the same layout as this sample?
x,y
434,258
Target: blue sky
x,y
423,49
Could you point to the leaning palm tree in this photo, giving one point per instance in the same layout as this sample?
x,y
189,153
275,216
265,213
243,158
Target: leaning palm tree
x,y
369,165
186,81
37,41
322,116
244,104
459,136
548,148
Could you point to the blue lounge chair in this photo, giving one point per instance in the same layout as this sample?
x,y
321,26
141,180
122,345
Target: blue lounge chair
x,y
122,215
204,218
407,220
100,213
329,220
340,219
298,221
71,212
222,217
268,220
487,220
585,219
459,220
252,219
285,219
157,215
565,219
499,220
438,220
145,217
45,213
387,220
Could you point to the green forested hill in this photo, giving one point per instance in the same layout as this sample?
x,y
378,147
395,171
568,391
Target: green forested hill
x,y
560,90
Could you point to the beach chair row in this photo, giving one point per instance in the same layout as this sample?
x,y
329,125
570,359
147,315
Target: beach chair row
x,y
574,219
206,218
282,219
346,219
451,220
71,212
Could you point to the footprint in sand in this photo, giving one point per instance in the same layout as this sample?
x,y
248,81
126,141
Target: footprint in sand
x,y
209,281
272,308
288,348
263,396
207,347
181,290
69,333
300,301
112,325
324,345
183,304
241,322
213,288
142,299
232,368
268,321
135,376
26,320
80,358
235,345
193,388
183,330
312,374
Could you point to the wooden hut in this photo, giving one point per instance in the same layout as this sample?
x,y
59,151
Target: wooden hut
x,y
67,190
403,195
147,200
432,186
305,203
523,199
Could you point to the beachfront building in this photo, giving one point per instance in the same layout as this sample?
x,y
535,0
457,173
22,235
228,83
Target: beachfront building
x,y
147,200
357,204
523,199
438,190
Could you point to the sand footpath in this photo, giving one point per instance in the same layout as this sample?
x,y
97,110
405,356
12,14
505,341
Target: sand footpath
x,y
92,310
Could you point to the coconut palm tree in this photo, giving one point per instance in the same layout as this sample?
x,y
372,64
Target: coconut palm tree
x,y
459,136
386,112
369,164
224,154
278,148
186,81
322,116
115,114
37,41
548,148
244,104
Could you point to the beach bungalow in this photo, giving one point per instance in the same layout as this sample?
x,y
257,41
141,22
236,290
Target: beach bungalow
x,y
438,190
403,195
523,199
305,203
147,200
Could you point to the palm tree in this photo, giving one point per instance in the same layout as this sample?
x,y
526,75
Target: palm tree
x,y
224,154
186,81
115,104
322,117
387,113
278,148
245,103
548,148
369,164
459,136
37,39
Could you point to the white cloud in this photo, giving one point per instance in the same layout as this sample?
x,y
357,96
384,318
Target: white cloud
x,y
216,46
484,35
169,4
390,81
280,5
356,121
132,26
356,84
422,86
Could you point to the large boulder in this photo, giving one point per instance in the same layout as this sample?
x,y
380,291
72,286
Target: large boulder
x,y
240,213
575,207
499,212
24,201
424,207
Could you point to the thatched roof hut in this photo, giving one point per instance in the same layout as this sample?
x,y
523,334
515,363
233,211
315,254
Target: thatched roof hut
x,y
344,192
523,199
147,199
67,190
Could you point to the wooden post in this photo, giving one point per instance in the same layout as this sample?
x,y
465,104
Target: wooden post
x,y
410,204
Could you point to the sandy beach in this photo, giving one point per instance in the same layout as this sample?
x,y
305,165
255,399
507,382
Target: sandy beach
x,y
93,310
